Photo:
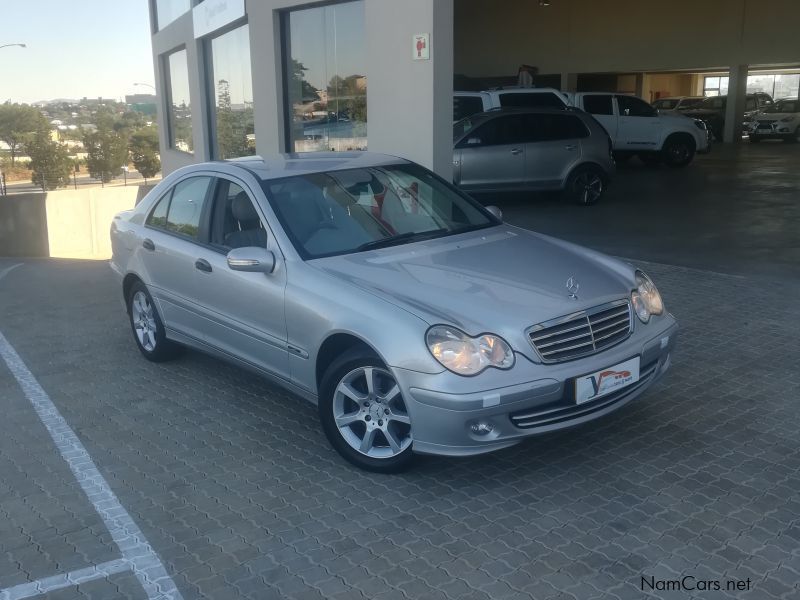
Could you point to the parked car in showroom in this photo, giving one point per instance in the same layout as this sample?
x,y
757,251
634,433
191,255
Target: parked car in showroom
x,y
779,121
466,104
533,150
636,128
414,318
712,111
672,103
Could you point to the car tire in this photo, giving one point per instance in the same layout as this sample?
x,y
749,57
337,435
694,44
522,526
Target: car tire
x,y
586,185
678,151
147,326
651,159
754,139
366,423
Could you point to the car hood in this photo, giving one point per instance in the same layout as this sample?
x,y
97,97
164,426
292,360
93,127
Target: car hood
x,y
502,279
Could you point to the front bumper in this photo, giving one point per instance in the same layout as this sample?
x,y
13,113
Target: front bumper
x,y
538,400
772,129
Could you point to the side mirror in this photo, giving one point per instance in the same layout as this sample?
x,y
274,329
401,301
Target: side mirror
x,y
251,259
495,212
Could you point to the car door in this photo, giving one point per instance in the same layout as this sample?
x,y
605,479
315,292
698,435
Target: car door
x,y
169,248
601,107
639,124
553,149
244,312
492,157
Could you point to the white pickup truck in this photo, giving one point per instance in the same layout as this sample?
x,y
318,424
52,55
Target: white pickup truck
x,y
635,127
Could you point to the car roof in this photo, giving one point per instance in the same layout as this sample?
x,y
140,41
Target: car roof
x,y
304,163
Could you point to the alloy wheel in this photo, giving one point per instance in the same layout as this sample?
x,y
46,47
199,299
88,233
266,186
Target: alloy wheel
x,y
370,413
678,153
589,187
144,322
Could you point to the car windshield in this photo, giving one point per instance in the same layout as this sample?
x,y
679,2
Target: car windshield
x,y
354,210
784,106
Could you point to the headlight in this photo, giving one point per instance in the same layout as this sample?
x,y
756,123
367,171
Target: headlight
x,y
645,298
787,119
465,355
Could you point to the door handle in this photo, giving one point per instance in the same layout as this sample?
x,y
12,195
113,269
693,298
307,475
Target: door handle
x,y
201,264
516,151
570,146
148,244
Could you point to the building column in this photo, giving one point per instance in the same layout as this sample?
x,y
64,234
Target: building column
x,y
639,85
410,101
734,108
569,82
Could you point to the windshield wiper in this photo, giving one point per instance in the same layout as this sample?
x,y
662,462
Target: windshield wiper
x,y
400,238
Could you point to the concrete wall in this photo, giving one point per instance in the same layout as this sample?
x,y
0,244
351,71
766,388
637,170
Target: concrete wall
x,y
65,223
588,36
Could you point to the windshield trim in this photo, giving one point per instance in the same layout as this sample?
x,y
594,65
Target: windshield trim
x,y
265,184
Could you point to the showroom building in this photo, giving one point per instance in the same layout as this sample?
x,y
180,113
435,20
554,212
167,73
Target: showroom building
x,y
240,77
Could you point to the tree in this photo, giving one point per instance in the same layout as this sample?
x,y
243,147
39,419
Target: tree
x,y
17,123
50,161
144,151
106,150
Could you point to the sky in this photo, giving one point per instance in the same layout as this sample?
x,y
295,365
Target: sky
x,y
75,48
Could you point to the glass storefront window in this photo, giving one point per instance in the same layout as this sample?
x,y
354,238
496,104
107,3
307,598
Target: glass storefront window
x,y
179,111
777,85
169,10
326,86
234,134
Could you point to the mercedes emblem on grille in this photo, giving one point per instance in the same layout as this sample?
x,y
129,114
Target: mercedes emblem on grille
x,y
572,287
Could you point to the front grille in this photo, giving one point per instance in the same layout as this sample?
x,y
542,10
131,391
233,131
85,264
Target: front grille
x,y
765,124
582,333
565,409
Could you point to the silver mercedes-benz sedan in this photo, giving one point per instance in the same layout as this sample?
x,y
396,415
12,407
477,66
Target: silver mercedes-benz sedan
x,y
414,318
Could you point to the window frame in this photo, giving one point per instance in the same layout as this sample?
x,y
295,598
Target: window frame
x,y
210,89
168,100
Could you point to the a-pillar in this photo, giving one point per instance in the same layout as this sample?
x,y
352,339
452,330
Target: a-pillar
x,y
734,106
569,82
409,96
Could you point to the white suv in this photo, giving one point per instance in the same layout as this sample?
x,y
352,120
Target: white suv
x,y
466,104
637,128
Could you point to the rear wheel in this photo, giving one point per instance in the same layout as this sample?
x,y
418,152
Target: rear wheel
x,y
585,185
678,150
148,329
363,414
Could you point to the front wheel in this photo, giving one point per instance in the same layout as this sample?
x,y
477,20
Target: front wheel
x,y
585,185
678,151
363,414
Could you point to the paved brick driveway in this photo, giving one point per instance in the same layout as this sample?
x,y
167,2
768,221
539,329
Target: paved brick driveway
x,y
235,487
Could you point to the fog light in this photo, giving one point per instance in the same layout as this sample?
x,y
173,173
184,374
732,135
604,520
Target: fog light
x,y
482,428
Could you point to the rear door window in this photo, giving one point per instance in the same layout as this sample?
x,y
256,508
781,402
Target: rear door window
x,y
553,127
598,104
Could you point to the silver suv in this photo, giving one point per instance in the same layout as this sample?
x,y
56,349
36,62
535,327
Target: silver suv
x,y
533,149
